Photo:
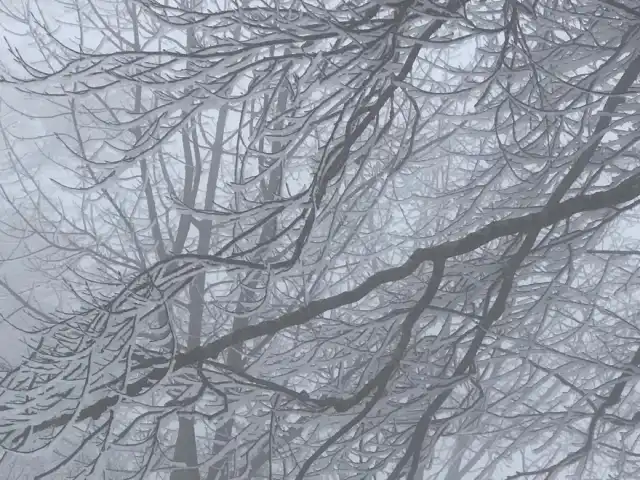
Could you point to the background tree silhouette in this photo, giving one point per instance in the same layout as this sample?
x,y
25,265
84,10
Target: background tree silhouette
x,y
333,239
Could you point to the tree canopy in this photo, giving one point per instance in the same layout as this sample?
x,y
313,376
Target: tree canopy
x,y
329,239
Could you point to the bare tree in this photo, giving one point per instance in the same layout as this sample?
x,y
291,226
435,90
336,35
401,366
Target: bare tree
x,y
146,232
420,262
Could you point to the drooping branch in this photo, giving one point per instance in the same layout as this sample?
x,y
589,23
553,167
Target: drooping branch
x,y
626,191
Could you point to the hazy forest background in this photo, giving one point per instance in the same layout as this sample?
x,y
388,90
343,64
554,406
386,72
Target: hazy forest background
x,y
309,239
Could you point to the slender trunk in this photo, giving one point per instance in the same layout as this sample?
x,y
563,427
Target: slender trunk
x,y
269,189
186,449
186,444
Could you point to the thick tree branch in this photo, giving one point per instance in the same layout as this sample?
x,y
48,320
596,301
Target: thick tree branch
x,y
624,192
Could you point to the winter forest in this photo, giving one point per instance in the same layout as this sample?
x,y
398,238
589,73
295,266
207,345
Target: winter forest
x,y
320,239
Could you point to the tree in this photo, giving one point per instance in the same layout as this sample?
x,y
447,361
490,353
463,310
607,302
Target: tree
x,y
145,233
441,284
